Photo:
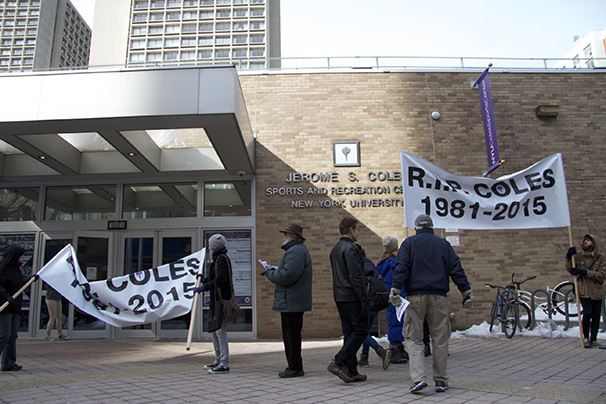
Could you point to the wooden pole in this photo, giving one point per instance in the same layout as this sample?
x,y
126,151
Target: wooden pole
x,y
31,280
192,317
576,291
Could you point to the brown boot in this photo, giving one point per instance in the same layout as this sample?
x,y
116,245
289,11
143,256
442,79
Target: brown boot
x,y
363,360
385,355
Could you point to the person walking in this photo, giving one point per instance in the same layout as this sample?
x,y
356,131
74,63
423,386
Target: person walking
x,y
11,281
590,269
424,264
349,292
219,284
370,271
292,295
386,267
55,314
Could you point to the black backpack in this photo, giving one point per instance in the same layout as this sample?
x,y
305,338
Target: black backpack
x,y
377,292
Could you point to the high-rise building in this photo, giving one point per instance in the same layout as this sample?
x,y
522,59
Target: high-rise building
x,y
588,52
42,34
140,33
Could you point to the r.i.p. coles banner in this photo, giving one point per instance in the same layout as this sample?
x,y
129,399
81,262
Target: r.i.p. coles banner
x,y
532,198
147,296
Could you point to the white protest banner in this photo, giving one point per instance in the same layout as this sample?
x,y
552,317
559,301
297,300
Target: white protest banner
x,y
532,198
152,295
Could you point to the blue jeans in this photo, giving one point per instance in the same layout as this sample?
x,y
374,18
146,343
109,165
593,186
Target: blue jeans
x,y
9,324
355,330
394,327
370,342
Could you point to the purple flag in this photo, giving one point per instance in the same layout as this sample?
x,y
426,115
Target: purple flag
x,y
490,129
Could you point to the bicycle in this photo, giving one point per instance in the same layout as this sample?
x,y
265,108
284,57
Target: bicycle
x,y
561,296
505,308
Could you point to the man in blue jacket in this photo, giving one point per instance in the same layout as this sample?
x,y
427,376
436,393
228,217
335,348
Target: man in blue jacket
x,y
292,296
424,264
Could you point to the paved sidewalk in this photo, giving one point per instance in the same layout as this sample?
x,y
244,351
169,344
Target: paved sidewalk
x,y
482,370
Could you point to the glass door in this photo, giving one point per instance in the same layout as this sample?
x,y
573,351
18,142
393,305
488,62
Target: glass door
x,y
94,251
52,244
149,249
139,252
173,246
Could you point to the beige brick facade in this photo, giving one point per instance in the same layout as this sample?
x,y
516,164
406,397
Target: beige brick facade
x,y
296,118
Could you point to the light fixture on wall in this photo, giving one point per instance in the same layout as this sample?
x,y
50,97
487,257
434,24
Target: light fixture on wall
x,y
547,111
435,115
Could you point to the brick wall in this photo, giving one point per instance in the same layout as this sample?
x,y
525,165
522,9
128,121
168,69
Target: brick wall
x,y
297,117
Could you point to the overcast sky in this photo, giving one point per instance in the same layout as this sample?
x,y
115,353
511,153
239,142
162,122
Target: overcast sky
x,y
461,28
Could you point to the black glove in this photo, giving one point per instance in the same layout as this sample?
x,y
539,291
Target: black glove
x,y
10,299
202,278
577,271
571,251
264,273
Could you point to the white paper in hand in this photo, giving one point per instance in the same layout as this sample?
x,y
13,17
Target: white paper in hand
x,y
267,266
400,309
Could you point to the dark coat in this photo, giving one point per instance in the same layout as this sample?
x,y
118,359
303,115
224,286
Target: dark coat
x,y
222,278
348,280
11,279
293,279
424,264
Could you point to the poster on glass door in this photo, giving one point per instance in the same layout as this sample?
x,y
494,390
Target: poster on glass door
x,y
238,244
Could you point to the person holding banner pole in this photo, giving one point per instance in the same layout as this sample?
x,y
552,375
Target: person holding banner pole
x,y
219,284
589,268
11,282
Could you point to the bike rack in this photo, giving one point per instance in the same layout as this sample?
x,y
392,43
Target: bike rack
x,y
566,311
533,322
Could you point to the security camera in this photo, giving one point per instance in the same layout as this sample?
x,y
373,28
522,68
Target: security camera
x,y
241,173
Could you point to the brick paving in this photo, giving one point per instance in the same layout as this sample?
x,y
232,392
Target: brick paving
x,y
482,370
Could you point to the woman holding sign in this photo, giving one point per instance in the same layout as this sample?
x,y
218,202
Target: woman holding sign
x,y
11,281
219,284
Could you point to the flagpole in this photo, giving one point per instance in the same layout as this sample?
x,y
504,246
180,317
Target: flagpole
x,y
576,291
193,316
31,280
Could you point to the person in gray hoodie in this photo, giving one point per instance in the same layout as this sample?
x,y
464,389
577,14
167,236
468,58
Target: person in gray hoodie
x,y
292,296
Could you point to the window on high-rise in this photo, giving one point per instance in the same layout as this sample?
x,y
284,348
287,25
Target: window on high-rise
x,y
207,2
188,55
223,26
137,57
257,25
154,43
239,38
138,44
170,55
239,53
156,16
190,15
222,53
257,52
157,3
222,40
206,27
190,3
174,3
141,4
152,57
240,26
171,43
257,38
188,41
189,28
139,30
205,40
140,17
257,12
240,13
206,14
173,16
223,13
205,54
155,29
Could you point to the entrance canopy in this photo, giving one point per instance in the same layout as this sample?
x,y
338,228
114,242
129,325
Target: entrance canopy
x,y
64,126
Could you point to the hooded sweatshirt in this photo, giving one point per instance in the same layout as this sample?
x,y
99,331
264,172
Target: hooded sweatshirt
x,y
591,286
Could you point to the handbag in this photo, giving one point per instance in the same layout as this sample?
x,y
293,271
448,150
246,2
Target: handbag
x,y
230,308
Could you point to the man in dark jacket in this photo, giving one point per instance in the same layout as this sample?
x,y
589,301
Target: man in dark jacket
x,y
349,291
11,281
292,296
424,264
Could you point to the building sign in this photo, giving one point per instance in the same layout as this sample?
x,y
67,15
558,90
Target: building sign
x,y
346,154
331,189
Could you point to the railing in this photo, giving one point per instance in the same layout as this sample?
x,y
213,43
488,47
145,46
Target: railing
x,y
358,63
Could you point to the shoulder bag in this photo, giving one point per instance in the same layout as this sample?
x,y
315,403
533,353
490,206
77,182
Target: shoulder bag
x,y
229,306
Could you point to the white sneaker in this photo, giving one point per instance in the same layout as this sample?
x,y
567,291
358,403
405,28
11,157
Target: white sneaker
x,y
63,337
219,369
50,339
